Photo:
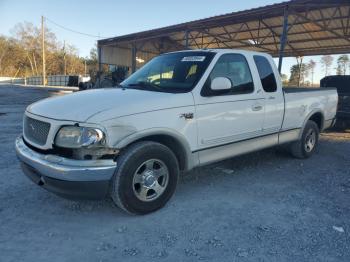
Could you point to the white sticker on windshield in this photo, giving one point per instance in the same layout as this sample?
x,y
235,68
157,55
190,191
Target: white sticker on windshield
x,y
193,59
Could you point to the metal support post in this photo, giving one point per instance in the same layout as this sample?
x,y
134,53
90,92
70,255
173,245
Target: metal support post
x,y
186,39
133,58
283,39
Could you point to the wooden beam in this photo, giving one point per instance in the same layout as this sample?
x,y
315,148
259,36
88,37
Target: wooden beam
x,y
324,28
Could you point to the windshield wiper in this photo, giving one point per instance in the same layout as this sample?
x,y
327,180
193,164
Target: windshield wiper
x,y
147,85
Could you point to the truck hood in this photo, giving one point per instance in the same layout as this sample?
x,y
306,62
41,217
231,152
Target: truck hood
x,y
104,104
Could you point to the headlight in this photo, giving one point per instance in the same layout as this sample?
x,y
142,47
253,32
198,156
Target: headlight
x,y
75,137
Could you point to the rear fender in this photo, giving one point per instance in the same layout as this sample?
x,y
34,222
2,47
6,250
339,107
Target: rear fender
x,y
313,112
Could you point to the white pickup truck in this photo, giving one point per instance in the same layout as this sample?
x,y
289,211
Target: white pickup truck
x,y
179,111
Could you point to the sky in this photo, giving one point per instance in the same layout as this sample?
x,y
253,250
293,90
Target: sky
x,y
109,18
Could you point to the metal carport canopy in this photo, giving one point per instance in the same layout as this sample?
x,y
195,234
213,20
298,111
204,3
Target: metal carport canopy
x,y
293,28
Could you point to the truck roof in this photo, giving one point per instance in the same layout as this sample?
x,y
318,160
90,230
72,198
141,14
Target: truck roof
x,y
222,51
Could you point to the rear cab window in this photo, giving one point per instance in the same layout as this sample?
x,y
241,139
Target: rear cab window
x,y
266,74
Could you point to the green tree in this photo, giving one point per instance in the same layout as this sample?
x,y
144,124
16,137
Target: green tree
x,y
21,54
12,57
339,70
326,62
342,64
312,65
93,55
284,79
92,63
294,75
298,74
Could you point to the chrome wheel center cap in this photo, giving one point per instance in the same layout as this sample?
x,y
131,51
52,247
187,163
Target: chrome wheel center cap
x,y
149,179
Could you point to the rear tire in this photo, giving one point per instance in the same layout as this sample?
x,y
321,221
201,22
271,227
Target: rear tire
x,y
308,143
145,179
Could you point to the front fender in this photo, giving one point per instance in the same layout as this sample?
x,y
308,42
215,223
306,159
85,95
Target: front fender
x,y
191,160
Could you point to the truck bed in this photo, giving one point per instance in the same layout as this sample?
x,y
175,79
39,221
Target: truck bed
x,y
300,102
288,89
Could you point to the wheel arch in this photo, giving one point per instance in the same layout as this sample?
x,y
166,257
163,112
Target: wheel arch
x,y
172,139
316,116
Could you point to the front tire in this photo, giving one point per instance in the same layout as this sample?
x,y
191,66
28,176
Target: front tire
x,y
145,179
308,143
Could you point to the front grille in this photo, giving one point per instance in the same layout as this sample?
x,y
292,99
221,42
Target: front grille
x,y
36,130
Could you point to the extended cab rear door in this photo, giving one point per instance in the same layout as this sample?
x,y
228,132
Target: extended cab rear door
x,y
272,90
228,116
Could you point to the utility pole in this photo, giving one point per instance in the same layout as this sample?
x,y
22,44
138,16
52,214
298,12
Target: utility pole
x,y
64,58
43,48
85,67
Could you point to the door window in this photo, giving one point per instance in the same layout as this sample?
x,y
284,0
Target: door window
x,y
235,68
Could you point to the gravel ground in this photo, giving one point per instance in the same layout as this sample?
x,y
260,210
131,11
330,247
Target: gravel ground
x,y
264,206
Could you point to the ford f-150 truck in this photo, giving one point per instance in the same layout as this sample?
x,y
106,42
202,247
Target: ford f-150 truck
x,y
179,111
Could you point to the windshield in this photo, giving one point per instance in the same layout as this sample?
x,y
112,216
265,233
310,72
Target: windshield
x,y
174,72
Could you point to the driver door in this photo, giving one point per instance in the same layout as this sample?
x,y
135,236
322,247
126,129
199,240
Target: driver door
x,y
228,116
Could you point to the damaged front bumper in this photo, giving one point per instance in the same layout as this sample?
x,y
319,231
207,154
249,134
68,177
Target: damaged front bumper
x,y
70,178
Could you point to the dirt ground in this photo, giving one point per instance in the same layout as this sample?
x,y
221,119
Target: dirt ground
x,y
264,206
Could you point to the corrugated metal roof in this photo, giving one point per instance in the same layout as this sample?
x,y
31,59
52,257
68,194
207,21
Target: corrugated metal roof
x,y
315,28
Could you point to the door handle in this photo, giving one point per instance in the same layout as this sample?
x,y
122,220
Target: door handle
x,y
257,108
272,97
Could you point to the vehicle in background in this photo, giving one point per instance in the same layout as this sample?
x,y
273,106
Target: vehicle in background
x,y
84,79
342,84
113,78
179,111
84,82
106,80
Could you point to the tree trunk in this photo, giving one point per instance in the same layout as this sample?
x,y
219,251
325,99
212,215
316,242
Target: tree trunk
x,y
36,68
1,57
299,71
17,72
31,64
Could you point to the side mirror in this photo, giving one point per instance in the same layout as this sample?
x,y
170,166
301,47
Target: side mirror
x,y
221,83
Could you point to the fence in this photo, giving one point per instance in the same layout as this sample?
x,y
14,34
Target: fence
x,y
54,80
11,80
58,80
34,80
